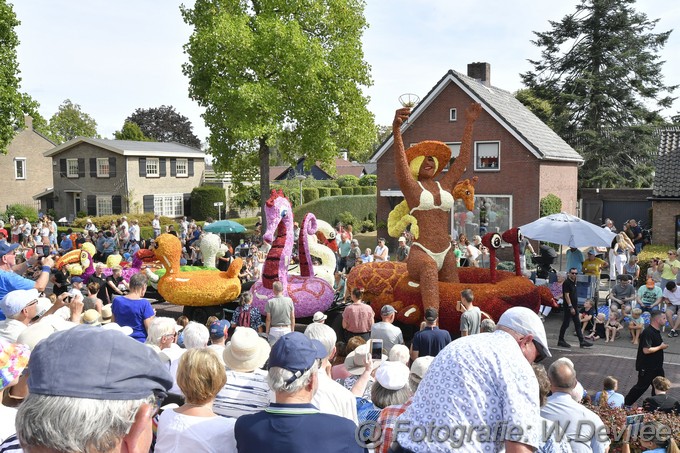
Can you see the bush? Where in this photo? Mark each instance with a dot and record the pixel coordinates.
(550, 204)
(346, 218)
(356, 190)
(324, 192)
(368, 190)
(309, 194)
(367, 226)
(20, 211)
(81, 214)
(348, 181)
(371, 216)
(368, 180)
(203, 199)
(347, 190)
(645, 258)
(335, 191)
(327, 209)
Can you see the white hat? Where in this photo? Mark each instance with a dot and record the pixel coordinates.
(392, 375)
(354, 362)
(90, 317)
(246, 351)
(318, 317)
(420, 366)
(526, 322)
(125, 330)
(49, 324)
(17, 300)
(401, 239)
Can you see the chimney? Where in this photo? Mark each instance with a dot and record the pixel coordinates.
(481, 72)
(28, 122)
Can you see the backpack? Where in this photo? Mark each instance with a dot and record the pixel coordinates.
(244, 318)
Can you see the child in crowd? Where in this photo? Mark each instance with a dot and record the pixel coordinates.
(587, 316)
(599, 328)
(613, 324)
(636, 325)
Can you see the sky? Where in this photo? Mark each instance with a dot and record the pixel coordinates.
(112, 57)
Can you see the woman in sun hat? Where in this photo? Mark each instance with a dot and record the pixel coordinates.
(13, 359)
(431, 258)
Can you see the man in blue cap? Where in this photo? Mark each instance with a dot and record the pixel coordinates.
(293, 423)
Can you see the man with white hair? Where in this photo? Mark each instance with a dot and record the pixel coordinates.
(330, 397)
(493, 384)
(293, 423)
(115, 377)
(21, 307)
(582, 426)
(196, 335)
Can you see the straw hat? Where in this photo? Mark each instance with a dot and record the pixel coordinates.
(438, 150)
(90, 317)
(246, 351)
(354, 362)
(107, 315)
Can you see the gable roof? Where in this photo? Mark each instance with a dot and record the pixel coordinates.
(530, 131)
(131, 148)
(667, 173)
(345, 167)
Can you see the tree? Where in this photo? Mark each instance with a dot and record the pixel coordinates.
(70, 122)
(131, 131)
(11, 113)
(284, 73)
(164, 124)
(30, 106)
(599, 69)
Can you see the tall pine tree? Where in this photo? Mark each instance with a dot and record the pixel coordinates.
(601, 73)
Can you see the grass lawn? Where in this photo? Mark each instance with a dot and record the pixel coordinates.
(367, 240)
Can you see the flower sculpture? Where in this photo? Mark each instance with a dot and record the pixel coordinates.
(79, 262)
(322, 247)
(309, 293)
(197, 288)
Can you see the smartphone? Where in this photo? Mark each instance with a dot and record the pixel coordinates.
(39, 251)
(376, 349)
(634, 419)
(459, 306)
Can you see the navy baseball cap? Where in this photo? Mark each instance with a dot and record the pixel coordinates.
(76, 279)
(218, 328)
(91, 362)
(5, 248)
(296, 353)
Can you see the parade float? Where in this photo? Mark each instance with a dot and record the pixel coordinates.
(430, 277)
(309, 292)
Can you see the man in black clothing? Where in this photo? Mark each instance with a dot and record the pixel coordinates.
(570, 311)
(649, 361)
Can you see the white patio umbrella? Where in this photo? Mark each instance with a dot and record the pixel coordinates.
(567, 230)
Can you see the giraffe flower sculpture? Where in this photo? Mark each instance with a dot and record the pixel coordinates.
(309, 293)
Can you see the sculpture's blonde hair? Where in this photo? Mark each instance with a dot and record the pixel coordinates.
(415, 164)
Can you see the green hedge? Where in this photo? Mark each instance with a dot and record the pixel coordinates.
(20, 211)
(369, 190)
(324, 192)
(348, 181)
(335, 191)
(328, 209)
(309, 194)
(368, 180)
(347, 190)
(202, 199)
(357, 190)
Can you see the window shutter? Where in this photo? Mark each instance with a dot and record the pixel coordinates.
(187, 203)
(117, 204)
(161, 164)
(148, 203)
(112, 167)
(81, 167)
(142, 167)
(173, 167)
(62, 168)
(91, 205)
(191, 167)
(93, 168)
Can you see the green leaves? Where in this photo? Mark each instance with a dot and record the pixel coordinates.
(70, 122)
(11, 113)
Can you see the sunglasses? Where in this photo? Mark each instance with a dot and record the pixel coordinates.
(573, 273)
(539, 350)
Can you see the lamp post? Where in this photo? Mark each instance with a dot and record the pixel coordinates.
(300, 178)
(218, 205)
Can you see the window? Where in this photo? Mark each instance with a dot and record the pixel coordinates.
(19, 168)
(492, 213)
(104, 205)
(182, 168)
(170, 205)
(487, 156)
(102, 167)
(453, 115)
(71, 168)
(152, 168)
(455, 152)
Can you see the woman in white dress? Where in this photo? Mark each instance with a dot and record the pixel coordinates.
(194, 426)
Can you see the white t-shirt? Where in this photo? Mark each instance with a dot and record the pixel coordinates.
(333, 398)
(380, 251)
(672, 296)
(7, 415)
(11, 328)
(181, 433)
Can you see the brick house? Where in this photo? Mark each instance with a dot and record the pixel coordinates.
(517, 157)
(666, 191)
(24, 170)
(102, 177)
